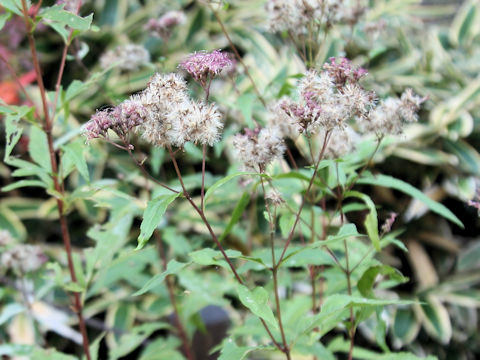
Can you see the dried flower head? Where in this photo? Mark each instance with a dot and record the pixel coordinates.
(341, 70)
(203, 65)
(258, 148)
(5, 238)
(128, 57)
(23, 258)
(274, 198)
(196, 122)
(163, 26)
(164, 95)
(341, 142)
(293, 16)
(391, 114)
(280, 120)
(329, 99)
(173, 118)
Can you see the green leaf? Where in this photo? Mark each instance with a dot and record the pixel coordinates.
(15, 6)
(371, 220)
(393, 183)
(13, 131)
(9, 311)
(152, 216)
(221, 182)
(230, 351)
(59, 19)
(257, 302)
(236, 215)
(435, 319)
(4, 18)
(134, 338)
(341, 345)
(173, 267)
(367, 281)
(208, 257)
(74, 287)
(405, 326)
(50, 354)
(38, 148)
(74, 154)
(23, 183)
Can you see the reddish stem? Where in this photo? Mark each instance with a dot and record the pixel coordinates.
(78, 308)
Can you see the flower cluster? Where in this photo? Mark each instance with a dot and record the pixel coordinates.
(293, 16)
(120, 119)
(259, 147)
(329, 99)
(128, 57)
(163, 26)
(203, 65)
(341, 70)
(298, 16)
(23, 258)
(392, 113)
(173, 118)
(280, 120)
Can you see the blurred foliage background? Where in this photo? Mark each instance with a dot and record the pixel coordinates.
(432, 47)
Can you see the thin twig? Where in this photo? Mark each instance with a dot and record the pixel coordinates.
(302, 204)
(215, 239)
(237, 55)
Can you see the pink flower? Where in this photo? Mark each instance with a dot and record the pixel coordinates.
(203, 65)
(342, 71)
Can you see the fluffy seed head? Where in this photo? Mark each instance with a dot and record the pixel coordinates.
(23, 258)
(342, 71)
(391, 114)
(128, 57)
(258, 148)
(163, 26)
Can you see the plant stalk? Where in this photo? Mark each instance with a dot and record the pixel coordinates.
(77, 306)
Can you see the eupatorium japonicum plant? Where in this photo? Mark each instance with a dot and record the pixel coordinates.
(264, 214)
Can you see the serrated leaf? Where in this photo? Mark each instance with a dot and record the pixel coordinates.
(152, 215)
(38, 148)
(257, 302)
(74, 153)
(59, 19)
(173, 267)
(393, 183)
